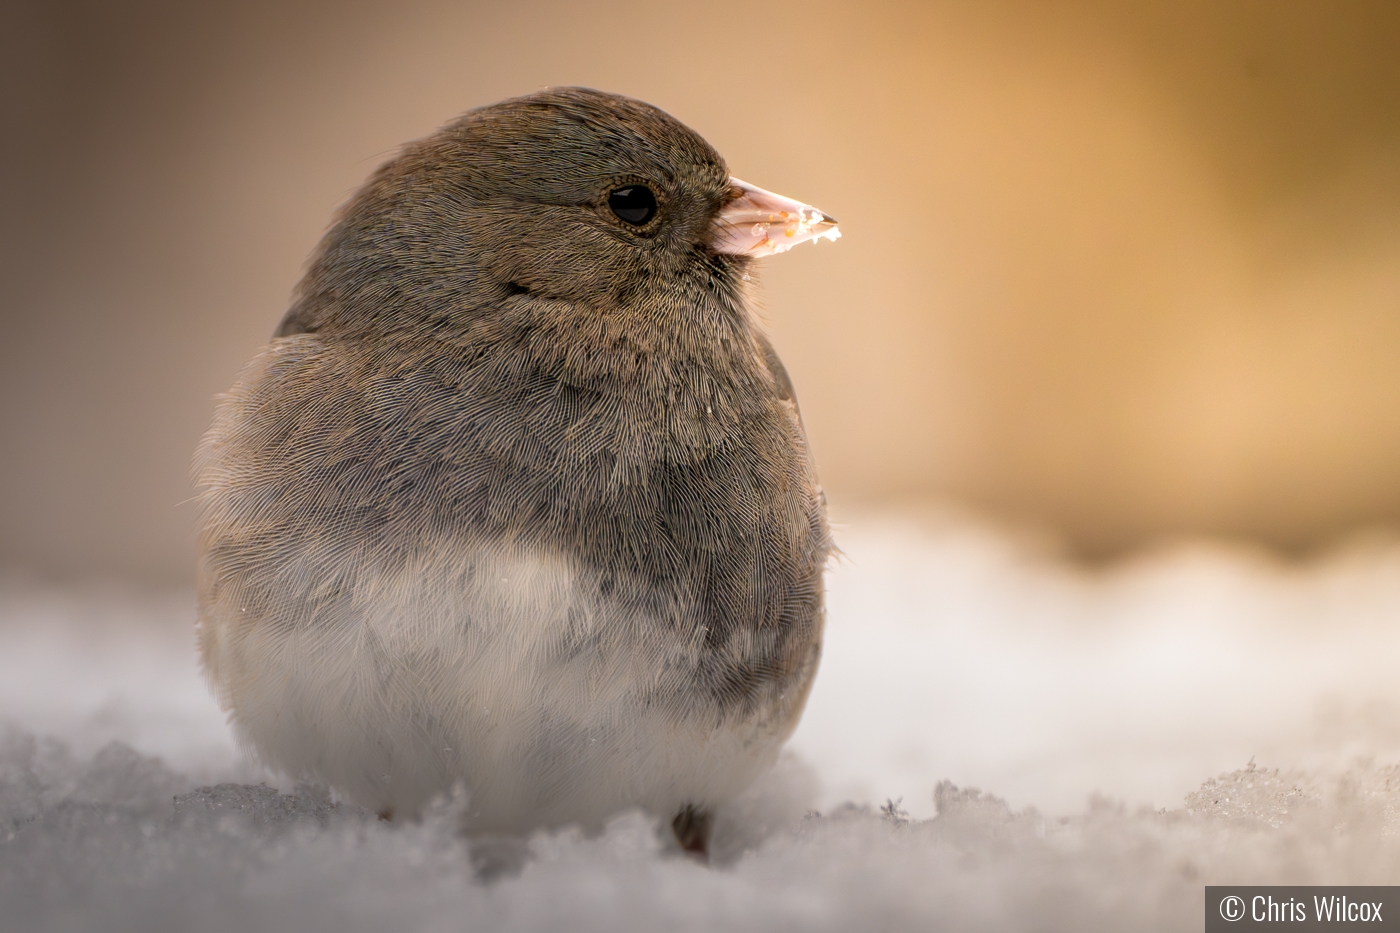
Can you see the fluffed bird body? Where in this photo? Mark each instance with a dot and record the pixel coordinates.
(519, 495)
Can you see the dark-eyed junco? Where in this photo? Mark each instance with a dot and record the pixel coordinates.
(518, 496)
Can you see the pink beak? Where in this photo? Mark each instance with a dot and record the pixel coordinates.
(761, 223)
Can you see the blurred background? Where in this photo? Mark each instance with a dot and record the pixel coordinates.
(1119, 271)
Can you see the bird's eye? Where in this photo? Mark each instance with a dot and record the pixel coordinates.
(635, 204)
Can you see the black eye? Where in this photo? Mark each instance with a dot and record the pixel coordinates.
(634, 204)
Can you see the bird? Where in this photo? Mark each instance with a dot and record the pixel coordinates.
(518, 498)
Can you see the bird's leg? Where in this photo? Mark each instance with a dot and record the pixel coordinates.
(692, 828)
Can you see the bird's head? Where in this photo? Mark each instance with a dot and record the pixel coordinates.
(569, 208)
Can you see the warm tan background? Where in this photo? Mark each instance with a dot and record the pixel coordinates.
(1122, 269)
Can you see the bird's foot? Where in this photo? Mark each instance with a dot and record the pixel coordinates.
(692, 828)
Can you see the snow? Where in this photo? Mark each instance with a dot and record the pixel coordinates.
(1200, 714)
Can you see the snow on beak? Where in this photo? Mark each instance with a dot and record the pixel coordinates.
(761, 223)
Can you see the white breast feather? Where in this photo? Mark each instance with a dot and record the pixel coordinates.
(503, 671)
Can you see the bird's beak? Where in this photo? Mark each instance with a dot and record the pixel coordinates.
(761, 223)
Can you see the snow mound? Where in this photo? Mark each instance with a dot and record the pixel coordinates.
(1089, 705)
(121, 842)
